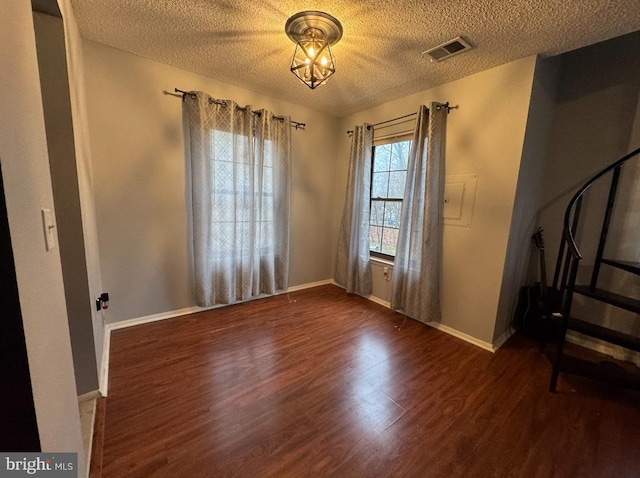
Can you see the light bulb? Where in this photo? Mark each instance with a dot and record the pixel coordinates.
(323, 61)
(312, 52)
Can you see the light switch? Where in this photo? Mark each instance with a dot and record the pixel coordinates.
(49, 229)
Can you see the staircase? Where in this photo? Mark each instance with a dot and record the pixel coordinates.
(564, 281)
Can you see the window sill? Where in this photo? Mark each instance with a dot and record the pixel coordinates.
(379, 260)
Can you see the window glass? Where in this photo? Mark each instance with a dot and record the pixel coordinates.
(237, 205)
(388, 178)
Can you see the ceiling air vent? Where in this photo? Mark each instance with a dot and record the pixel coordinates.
(447, 49)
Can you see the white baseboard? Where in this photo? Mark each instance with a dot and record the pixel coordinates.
(309, 285)
(454, 332)
(92, 395)
(461, 335)
(123, 324)
(503, 338)
(104, 366)
(372, 298)
(379, 301)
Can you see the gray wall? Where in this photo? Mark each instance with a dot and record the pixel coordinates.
(485, 136)
(594, 115)
(596, 122)
(523, 218)
(140, 184)
(57, 114)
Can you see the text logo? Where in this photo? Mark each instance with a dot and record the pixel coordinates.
(51, 465)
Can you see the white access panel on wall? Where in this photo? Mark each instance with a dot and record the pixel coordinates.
(459, 198)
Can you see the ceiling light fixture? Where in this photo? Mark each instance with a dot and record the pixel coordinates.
(313, 33)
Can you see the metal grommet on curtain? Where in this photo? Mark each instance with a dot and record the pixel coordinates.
(211, 100)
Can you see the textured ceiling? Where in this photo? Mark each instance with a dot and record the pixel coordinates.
(379, 57)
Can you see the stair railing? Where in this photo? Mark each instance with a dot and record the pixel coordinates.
(568, 244)
(569, 256)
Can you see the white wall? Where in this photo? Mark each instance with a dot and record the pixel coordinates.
(139, 181)
(25, 168)
(485, 136)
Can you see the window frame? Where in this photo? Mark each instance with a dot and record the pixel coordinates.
(380, 142)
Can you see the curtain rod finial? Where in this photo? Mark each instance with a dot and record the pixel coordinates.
(446, 106)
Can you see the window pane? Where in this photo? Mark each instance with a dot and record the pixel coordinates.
(399, 155)
(267, 180)
(243, 209)
(223, 207)
(269, 153)
(241, 149)
(389, 176)
(239, 183)
(377, 213)
(381, 157)
(221, 146)
(375, 238)
(223, 240)
(380, 185)
(223, 176)
(392, 211)
(396, 184)
(389, 241)
(264, 239)
(265, 208)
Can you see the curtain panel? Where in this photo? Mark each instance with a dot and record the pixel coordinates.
(240, 186)
(415, 289)
(353, 268)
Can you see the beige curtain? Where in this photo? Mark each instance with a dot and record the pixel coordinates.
(240, 181)
(416, 272)
(353, 269)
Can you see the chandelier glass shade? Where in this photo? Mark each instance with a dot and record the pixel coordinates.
(313, 33)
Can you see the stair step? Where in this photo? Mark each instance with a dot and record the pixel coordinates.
(609, 297)
(607, 372)
(633, 267)
(603, 333)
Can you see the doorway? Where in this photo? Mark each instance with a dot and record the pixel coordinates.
(18, 427)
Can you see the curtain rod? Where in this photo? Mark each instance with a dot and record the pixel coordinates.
(439, 106)
(393, 135)
(183, 93)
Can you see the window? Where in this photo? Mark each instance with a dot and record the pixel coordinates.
(389, 174)
(242, 193)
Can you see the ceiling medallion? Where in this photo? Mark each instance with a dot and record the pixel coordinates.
(313, 33)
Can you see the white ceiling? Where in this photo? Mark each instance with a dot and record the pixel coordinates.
(379, 57)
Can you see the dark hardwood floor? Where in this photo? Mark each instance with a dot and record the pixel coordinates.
(320, 383)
